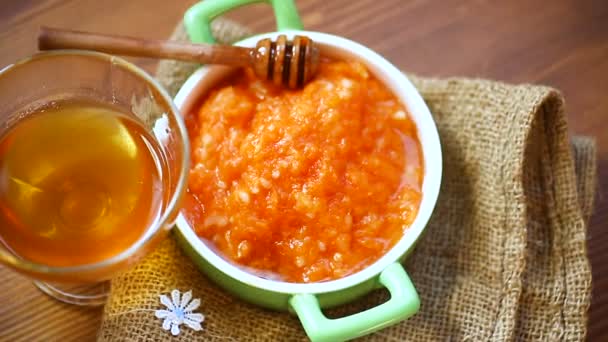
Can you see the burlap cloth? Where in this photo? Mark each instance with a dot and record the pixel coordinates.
(504, 255)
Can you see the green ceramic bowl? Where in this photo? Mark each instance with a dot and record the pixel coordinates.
(307, 300)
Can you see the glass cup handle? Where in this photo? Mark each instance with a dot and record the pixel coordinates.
(197, 18)
(404, 302)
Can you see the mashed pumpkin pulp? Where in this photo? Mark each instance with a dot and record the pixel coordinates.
(308, 185)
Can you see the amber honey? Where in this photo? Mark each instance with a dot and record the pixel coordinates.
(79, 183)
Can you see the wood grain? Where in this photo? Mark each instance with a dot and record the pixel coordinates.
(561, 43)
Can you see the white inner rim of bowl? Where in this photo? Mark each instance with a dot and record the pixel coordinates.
(403, 89)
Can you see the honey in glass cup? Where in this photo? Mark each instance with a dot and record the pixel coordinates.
(79, 182)
(93, 160)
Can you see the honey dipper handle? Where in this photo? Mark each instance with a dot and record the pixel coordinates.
(51, 39)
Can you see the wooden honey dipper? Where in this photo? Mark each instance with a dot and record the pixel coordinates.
(287, 63)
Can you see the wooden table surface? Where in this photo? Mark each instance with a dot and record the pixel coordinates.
(561, 43)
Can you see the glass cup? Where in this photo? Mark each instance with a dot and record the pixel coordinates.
(48, 77)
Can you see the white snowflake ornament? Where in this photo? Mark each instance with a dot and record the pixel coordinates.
(180, 312)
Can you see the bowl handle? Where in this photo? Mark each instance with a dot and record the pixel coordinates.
(197, 18)
(404, 302)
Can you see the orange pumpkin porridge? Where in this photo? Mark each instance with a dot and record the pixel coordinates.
(309, 185)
